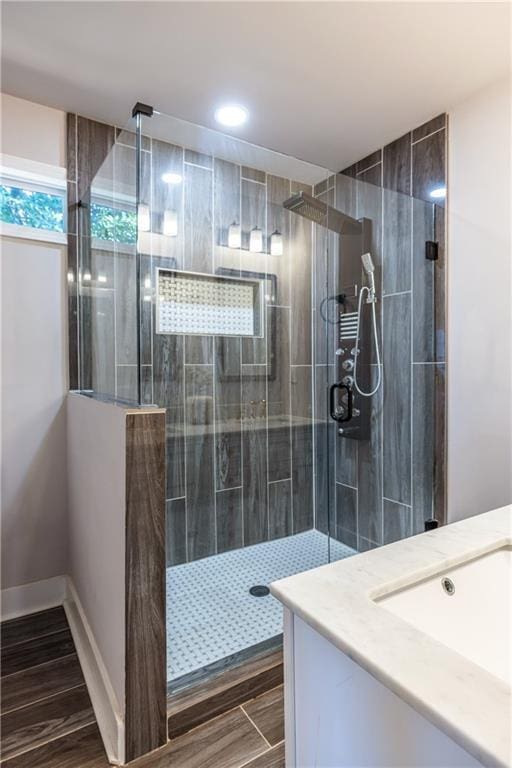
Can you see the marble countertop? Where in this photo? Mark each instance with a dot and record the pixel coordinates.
(462, 699)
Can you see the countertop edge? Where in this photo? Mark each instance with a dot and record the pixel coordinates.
(464, 737)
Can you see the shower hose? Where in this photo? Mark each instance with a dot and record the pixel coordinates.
(374, 325)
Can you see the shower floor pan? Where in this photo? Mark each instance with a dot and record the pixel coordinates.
(212, 617)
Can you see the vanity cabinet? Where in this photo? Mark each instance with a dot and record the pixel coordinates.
(337, 714)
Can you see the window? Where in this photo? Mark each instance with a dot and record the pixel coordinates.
(33, 205)
(32, 199)
(30, 207)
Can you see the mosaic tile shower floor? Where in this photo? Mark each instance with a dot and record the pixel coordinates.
(210, 613)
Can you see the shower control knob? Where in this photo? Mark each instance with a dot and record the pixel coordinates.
(348, 365)
(340, 351)
(354, 351)
(347, 381)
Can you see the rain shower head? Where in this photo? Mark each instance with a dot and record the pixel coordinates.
(307, 206)
(320, 213)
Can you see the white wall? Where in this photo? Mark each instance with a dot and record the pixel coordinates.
(479, 304)
(97, 502)
(34, 382)
(32, 131)
(34, 372)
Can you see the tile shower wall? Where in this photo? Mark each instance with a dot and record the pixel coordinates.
(388, 485)
(239, 450)
(239, 410)
(246, 460)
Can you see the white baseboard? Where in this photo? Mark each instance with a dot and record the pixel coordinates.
(106, 707)
(33, 597)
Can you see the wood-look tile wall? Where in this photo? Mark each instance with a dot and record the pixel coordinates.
(240, 466)
(239, 411)
(388, 485)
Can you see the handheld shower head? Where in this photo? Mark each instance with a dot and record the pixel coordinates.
(367, 263)
(369, 269)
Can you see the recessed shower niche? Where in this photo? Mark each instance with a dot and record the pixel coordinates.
(203, 304)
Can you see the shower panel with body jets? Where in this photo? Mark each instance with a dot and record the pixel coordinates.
(355, 337)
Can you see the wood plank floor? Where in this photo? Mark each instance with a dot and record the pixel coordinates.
(226, 690)
(47, 719)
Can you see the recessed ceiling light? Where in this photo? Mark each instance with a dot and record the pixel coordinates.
(172, 178)
(438, 193)
(231, 115)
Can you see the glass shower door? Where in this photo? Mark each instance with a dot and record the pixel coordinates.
(386, 464)
(340, 241)
(236, 358)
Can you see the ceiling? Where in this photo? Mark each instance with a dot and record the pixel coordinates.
(327, 82)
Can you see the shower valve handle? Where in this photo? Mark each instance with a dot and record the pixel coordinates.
(347, 412)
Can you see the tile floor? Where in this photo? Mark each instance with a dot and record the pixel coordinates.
(47, 720)
(210, 613)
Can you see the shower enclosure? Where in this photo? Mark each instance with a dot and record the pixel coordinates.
(222, 280)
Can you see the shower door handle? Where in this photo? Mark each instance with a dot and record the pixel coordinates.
(332, 402)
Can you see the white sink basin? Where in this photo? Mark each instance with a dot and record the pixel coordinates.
(467, 608)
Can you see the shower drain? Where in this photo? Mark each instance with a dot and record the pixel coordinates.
(259, 590)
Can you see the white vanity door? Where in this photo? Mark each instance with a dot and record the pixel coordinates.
(342, 716)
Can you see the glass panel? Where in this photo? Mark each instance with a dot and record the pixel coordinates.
(107, 234)
(386, 466)
(244, 420)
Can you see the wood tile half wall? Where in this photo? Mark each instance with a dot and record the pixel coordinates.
(387, 486)
(146, 654)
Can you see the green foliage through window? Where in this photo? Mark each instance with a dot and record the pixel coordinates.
(113, 224)
(45, 210)
(28, 208)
